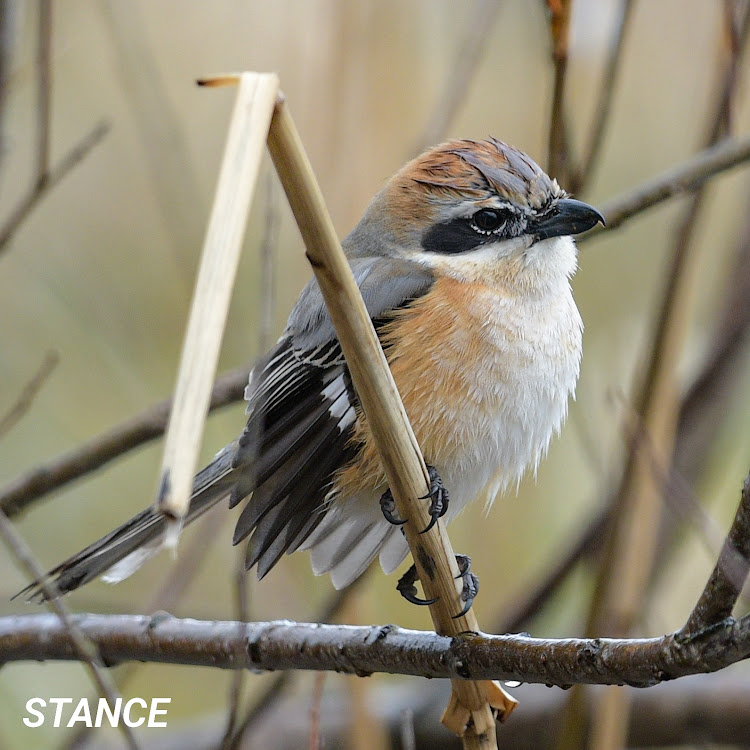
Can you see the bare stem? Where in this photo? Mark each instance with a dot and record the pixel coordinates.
(81, 646)
(44, 90)
(100, 450)
(54, 176)
(558, 159)
(31, 389)
(580, 179)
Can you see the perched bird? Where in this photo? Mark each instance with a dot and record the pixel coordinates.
(464, 261)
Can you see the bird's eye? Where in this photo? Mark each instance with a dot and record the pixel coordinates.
(487, 220)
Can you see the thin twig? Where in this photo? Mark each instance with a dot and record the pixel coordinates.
(44, 91)
(28, 394)
(729, 575)
(735, 33)
(558, 155)
(54, 176)
(313, 741)
(81, 646)
(685, 177)
(100, 450)
(580, 178)
(6, 43)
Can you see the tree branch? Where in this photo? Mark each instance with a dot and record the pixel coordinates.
(103, 448)
(363, 650)
(685, 177)
(729, 575)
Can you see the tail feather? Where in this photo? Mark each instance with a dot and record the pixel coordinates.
(124, 550)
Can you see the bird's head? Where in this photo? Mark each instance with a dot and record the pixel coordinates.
(471, 209)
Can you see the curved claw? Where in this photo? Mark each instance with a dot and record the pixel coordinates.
(395, 520)
(433, 521)
(408, 590)
(414, 599)
(435, 487)
(388, 507)
(466, 608)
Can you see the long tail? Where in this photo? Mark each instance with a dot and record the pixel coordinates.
(121, 552)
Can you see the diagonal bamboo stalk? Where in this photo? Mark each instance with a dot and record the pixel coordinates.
(470, 712)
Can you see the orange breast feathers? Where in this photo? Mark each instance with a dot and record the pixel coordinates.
(441, 353)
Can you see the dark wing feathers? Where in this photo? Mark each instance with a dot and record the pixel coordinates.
(301, 415)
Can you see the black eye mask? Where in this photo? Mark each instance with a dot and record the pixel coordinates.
(462, 235)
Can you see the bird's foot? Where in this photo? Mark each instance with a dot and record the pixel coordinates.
(408, 590)
(469, 590)
(470, 586)
(388, 507)
(439, 498)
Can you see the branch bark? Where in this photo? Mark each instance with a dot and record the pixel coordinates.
(364, 650)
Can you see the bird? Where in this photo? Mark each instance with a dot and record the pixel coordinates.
(464, 261)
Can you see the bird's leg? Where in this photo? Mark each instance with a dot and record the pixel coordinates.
(388, 506)
(439, 498)
(408, 590)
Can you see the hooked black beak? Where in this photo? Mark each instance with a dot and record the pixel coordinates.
(567, 216)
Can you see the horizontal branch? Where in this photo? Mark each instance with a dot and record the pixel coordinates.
(685, 177)
(100, 450)
(640, 662)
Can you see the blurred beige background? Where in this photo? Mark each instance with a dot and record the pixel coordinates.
(102, 271)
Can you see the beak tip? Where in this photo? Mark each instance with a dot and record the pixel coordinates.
(570, 217)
